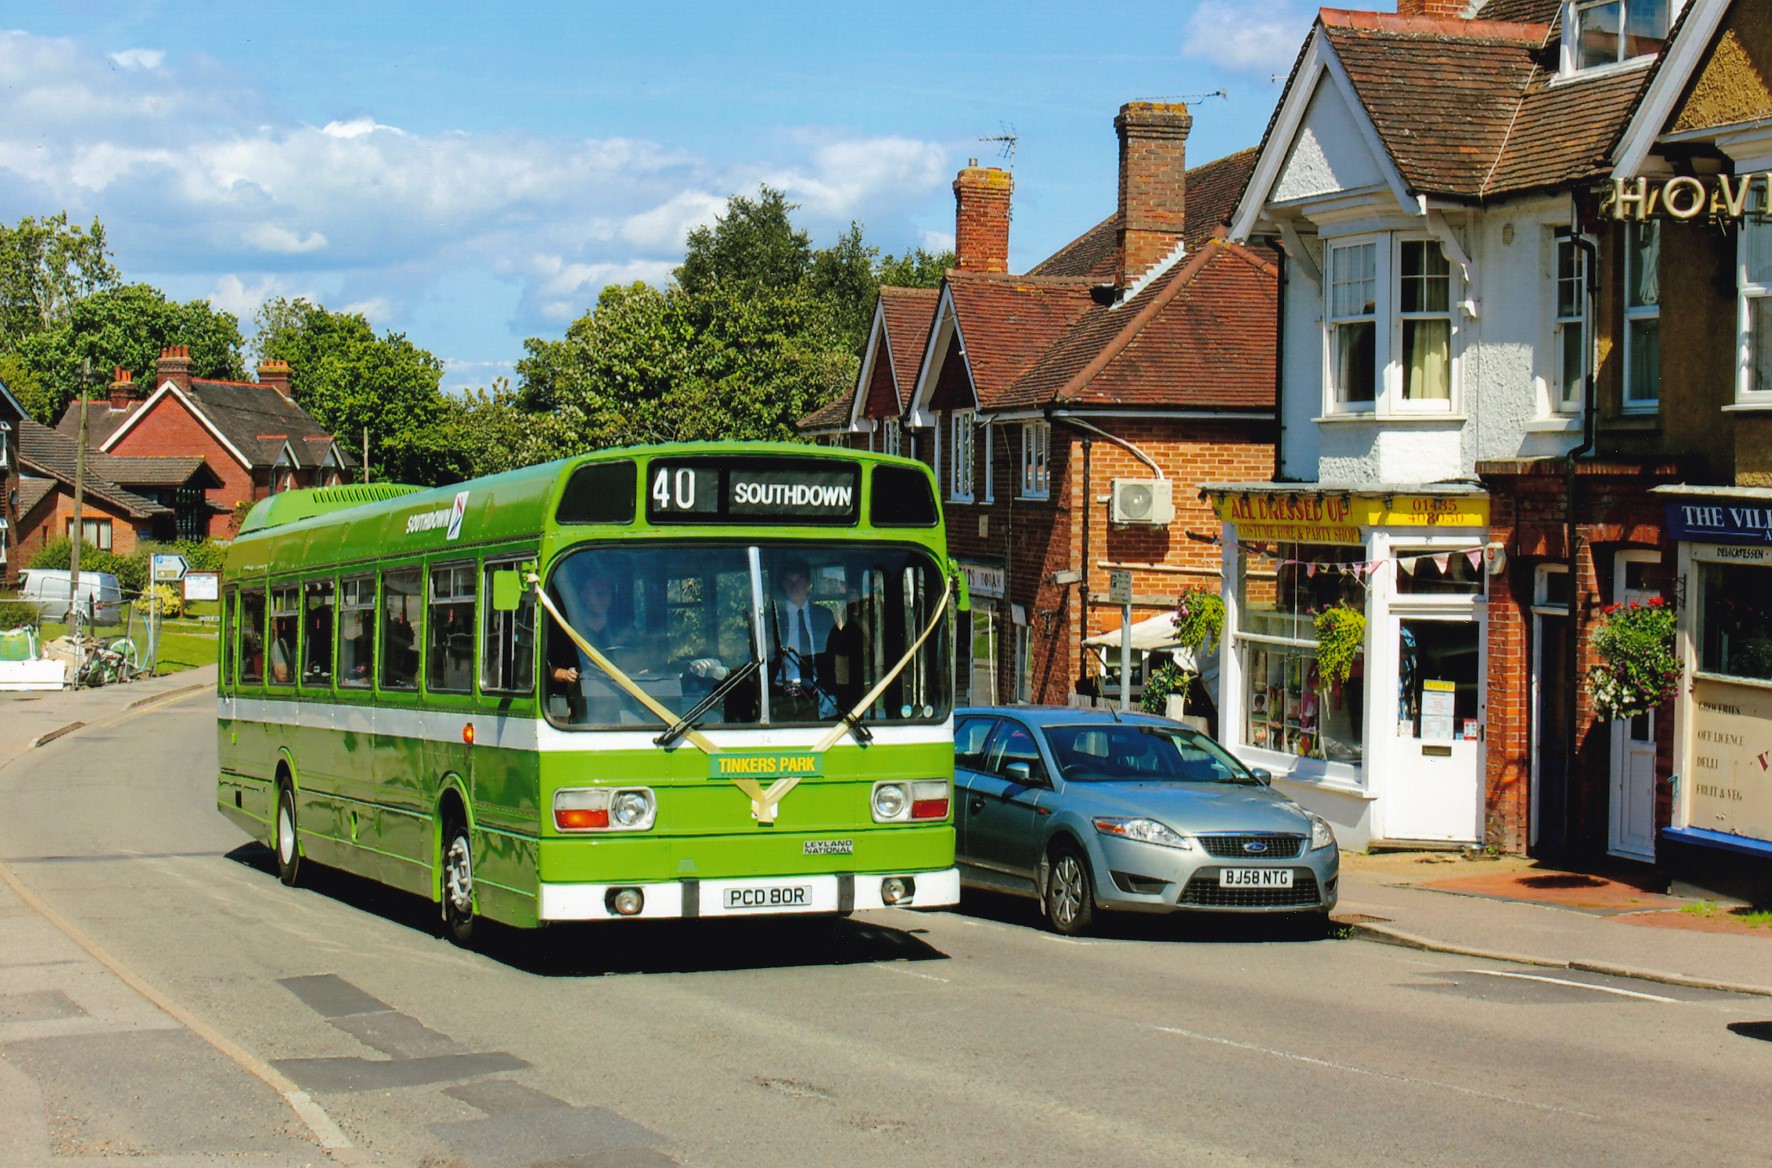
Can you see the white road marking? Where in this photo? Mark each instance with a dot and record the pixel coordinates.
(1580, 985)
(1395, 1078)
(895, 967)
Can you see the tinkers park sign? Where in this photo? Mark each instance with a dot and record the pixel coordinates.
(1721, 196)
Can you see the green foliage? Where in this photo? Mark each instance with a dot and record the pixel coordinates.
(353, 381)
(1341, 636)
(1199, 617)
(16, 614)
(164, 597)
(752, 248)
(132, 571)
(125, 326)
(1168, 678)
(45, 266)
(915, 269)
(1639, 670)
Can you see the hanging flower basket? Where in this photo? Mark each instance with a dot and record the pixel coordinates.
(1341, 637)
(1199, 617)
(1639, 670)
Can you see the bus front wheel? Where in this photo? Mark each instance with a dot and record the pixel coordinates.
(458, 885)
(288, 846)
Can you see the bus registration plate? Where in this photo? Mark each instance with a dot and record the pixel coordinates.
(784, 897)
(1255, 878)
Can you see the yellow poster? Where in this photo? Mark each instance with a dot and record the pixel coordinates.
(1307, 517)
(1730, 786)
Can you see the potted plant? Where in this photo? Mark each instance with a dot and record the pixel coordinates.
(1199, 620)
(1341, 636)
(1638, 669)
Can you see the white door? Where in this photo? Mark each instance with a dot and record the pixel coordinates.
(1631, 815)
(1434, 790)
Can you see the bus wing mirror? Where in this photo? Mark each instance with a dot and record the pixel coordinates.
(507, 590)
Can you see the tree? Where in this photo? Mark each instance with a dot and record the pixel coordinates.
(125, 327)
(916, 269)
(752, 247)
(353, 382)
(842, 275)
(45, 266)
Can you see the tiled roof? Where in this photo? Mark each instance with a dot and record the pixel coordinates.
(1212, 192)
(52, 454)
(1200, 337)
(908, 313)
(254, 418)
(1522, 11)
(1466, 109)
(1007, 322)
(169, 471)
(31, 490)
(833, 415)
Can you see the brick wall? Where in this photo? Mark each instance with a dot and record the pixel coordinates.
(981, 219)
(1528, 518)
(171, 429)
(1153, 182)
(50, 518)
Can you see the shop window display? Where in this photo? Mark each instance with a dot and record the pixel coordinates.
(1291, 707)
(1735, 621)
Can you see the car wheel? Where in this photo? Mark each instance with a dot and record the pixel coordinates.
(458, 885)
(288, 845)
(1070, 896)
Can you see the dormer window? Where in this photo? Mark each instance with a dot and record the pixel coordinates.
(1607, 32)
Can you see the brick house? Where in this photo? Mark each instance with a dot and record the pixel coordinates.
(252, 435)
(12, 412)
(1483, 388)
(1071, 413)
(125, 500)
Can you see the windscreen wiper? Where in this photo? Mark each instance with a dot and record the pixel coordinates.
(692, 719)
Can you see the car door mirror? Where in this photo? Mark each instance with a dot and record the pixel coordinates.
(1263, 776)
(1020, 772)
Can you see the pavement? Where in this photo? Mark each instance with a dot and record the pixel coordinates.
(1508, 908)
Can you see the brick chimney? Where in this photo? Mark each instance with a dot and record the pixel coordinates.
(1439, 9)
(123, 389)
(981, 218)
(1153, 182)
(276, 375)
(174, 366)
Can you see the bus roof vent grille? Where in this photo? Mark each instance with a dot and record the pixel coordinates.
(292, 506)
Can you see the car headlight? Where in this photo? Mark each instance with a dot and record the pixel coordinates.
(1147, 831)
(1322, 835)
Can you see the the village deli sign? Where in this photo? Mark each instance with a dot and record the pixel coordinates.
(1722, 196)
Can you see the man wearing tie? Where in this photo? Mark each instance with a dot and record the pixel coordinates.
(802, 630)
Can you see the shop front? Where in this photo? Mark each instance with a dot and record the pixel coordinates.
(984, 629)
(1721, 833)
(1355, 652)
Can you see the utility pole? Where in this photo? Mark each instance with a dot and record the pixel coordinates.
(79, 530)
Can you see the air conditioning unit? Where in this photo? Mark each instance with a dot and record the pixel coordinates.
(1149, 501)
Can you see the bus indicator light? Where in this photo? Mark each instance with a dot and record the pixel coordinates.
(580, 818)
(929, 808)
(467, 734)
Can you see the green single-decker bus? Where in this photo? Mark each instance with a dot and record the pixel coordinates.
(689, 680)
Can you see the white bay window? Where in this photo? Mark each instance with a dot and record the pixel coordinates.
(1642, 317)
(962, 453)
(1390, 326)
(1754, 283)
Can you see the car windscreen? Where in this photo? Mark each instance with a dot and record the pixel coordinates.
(1120, 752)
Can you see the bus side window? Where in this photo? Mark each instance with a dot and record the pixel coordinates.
(252, 636)
(285, 624)
(356, 628)
(402, 605)
(507, 651)
(225, 642)
(449, 657)
(316, 640)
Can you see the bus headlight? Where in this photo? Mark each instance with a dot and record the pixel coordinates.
(633, 810)
(603, 809)
(921, 800)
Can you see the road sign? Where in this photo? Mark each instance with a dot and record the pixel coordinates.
(1120, 586)
(168, 567)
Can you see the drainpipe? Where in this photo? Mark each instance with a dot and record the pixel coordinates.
(1280, 368)
(1088, 518)
(1585, 447)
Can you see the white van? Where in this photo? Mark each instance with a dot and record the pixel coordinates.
(48, 590)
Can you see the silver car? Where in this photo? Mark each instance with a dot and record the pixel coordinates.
(1088, 810)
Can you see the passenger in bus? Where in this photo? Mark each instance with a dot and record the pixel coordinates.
(282, 649)
(800, 635)
(594, 618)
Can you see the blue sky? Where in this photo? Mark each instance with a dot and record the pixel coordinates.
(472, 175)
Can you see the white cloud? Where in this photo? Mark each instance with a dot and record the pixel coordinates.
(139, 58)
(667, 225)
(1261, 36)
(938, 241)
(357, 128)
(232, 294)
(267, 237)
(377, 310)
(846, 177)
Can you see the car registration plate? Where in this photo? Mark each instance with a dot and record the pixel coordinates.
(1255, 878)
(773, 896)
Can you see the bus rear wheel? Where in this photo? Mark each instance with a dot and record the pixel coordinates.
(288, 846)
(458, 885)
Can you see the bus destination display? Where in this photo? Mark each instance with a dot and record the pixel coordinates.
(786, 491)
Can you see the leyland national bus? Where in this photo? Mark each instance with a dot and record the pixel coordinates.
(675, 681)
